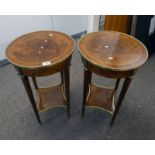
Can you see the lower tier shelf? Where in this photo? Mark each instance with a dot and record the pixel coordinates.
(51, 97)
(101, 98)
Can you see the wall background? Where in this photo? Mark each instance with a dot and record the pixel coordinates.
(71, 24)
(14, 26)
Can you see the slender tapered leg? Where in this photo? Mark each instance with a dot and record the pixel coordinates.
(28, 89)
(67, 87)
(62, 77)
(116, 87)
(117, 84)
(125, 87)
(87, 80)
(35, 82)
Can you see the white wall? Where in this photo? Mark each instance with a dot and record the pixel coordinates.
(93, 23)
(71, 24)
(14, 26)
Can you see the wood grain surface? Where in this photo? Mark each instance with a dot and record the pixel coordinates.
(116, 23)
(113, 50)
(51, 97)
(100, 97)
(40, 49)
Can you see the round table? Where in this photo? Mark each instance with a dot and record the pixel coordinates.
(113, 55)
(39, 54)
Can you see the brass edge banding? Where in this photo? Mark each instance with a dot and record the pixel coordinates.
(54, 85)
(97, 107)
(38, 67)
(113, 101)
(96, 86)
(102, 86)
(62, 89)
(88, 93)
(101, 108)
(38, 100)
(108, 68)
(52, 106)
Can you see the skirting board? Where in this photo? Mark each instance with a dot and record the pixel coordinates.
(75, 36)
(4, 62)
(78, 35)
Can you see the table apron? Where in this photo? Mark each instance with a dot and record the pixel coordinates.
(108, 73)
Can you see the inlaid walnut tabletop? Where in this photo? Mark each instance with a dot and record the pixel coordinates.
(38, 49)
(109, 54)
(40, 54)
(113, 50)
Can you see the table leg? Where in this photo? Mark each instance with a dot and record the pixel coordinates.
(62, 77)
(125, 87)
(66, 75)
(28, 89)
(87, 80)
(35, 82)
(117, 84)
(116, 87)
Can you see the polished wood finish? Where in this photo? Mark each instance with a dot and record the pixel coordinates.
(116, 87)
(125, 87)
(118, 23)
(45, 71)
(34, 82)
(101, 97)
(41, 54)
(33, 49)
(28, 89)
(108, 73)
(51, 97)
(67, 87)
(113, 50)
(114, 55)
(87, 81)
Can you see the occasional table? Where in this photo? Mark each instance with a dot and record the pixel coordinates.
(113, 55)
(39, 54)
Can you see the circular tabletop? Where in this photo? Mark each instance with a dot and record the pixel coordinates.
(113, 50)
(40, 49)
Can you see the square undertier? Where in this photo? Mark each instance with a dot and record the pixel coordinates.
(101, 98)
(51, 97)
